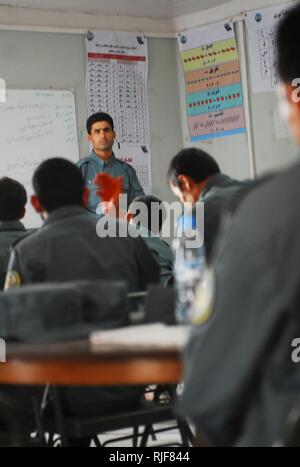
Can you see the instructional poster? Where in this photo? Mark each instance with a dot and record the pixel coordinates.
(117, 74)
(214, 95)
(261, 27)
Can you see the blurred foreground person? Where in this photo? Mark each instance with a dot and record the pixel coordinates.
(241, 376)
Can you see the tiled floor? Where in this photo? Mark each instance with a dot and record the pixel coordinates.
(171, 438)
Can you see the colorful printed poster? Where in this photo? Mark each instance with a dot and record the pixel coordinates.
(214, 95)
(261, 26)
(117, 74)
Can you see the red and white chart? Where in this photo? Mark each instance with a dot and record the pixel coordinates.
(116, 83)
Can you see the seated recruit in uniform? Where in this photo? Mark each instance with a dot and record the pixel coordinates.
(67, 248)
(194, 176)
(13, 199)
(150, 229)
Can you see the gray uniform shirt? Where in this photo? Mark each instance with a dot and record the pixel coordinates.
(221, 186)
(160, 250)
(240, 380)
(67, 248)
(92, 165)
(10, 232)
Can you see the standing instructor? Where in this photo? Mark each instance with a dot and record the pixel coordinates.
(101, 135)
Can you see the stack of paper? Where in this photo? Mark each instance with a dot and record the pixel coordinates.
(149, 335)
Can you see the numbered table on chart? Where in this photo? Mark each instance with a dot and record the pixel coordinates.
(268, 55)
(116, 84)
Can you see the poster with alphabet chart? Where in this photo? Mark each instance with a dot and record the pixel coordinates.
(214, 97)
(116, 83)
(261, 27)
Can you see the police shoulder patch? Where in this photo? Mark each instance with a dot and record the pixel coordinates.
(204, 299)
(13, 280)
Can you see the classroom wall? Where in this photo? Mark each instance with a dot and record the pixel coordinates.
(46, 60)
(164, 109)
(57, 60)
(32, 60)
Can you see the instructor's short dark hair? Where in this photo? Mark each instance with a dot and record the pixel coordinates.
(99, 117)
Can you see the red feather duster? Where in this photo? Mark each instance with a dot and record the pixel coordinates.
(109, 187)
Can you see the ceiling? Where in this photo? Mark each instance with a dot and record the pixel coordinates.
(139, 8)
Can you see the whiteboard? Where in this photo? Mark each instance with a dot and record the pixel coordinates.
(35, 125)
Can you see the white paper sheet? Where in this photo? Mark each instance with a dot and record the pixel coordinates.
(261, 26)
(281, 130)
(149, 335)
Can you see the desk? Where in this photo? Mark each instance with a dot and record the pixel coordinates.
(76, 363)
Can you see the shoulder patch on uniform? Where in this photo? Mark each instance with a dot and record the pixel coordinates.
(13, 280)
(205, 298)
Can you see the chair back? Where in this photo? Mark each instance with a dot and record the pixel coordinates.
(63, 311)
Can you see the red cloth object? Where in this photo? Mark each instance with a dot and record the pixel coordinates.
(109, 187)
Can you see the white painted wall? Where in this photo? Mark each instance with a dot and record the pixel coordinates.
(78, 23)
(231, 9)
(31, 60)
(164, 107)
(271, 153)
(75, 22)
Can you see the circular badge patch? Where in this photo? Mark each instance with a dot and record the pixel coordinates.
(13, 280)
(204, 299)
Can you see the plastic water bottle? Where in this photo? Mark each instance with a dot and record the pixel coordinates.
(189, 267)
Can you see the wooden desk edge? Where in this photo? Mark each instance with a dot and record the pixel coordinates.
(135, 370)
